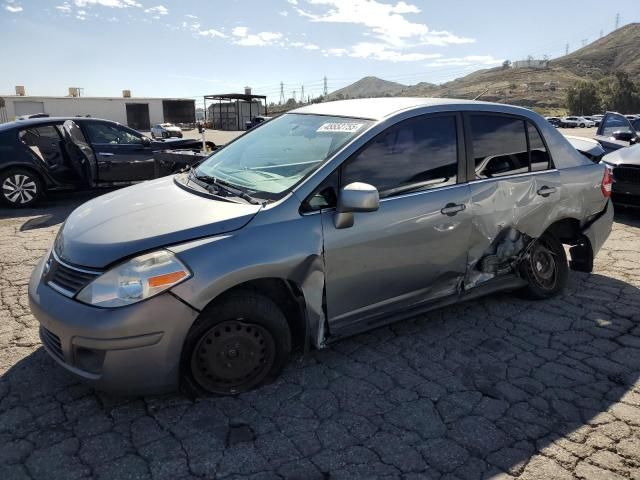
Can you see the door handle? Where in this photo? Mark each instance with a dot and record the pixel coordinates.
(546, 191)
(452, 209)
(106, 154)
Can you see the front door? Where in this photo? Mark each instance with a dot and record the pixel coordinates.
(414, 248)
(122, 154)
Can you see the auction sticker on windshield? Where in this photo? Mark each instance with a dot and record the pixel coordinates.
(346, 127)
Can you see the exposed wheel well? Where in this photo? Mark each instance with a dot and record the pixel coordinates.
(287, 296)
(568, 231)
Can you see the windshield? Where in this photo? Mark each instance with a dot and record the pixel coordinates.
(273, 158)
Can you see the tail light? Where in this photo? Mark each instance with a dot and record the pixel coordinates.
(607, 181)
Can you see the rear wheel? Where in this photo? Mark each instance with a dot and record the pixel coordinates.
(545, 268)
(237, 344)
(20, 187)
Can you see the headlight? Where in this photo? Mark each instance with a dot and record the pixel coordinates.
(135, 280)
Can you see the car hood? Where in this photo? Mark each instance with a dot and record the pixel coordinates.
(626, 155)
(144, 217)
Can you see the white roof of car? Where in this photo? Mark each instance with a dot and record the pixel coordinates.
(379, 108)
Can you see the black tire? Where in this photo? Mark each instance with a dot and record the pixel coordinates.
(20, 187)
(238, 343)
(165, 135)
(582, 125)
(545, 268)
(153, 135)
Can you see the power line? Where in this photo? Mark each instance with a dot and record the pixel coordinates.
(617, 21)
(282, 100)
(325, 91)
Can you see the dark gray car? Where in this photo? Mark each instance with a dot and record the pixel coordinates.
(329, 220)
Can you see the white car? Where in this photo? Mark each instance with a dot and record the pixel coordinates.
(578, 122)
(165, 130)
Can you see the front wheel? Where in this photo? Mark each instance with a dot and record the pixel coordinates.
(21, 188)
(544, 268)
(237, 344)
(582, 125)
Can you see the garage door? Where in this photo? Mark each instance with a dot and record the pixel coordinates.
(28, 107)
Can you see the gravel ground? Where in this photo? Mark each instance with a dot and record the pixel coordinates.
(494, 388)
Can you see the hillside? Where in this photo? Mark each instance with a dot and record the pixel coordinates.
(368, 87)
(542, 89)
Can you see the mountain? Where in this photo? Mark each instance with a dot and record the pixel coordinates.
(368, 87)
(539, 88)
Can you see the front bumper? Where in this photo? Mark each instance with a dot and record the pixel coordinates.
(129, 350)
(625, 193)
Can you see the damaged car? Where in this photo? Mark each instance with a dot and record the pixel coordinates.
(332, 219)
(617, 131)
(624, 165)
(49, 153)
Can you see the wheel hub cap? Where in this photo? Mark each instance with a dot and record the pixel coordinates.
(233, 356)
(19, 188)
(543, 266)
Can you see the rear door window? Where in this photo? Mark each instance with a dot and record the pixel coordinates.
(417, 154)
(44, 142)
(499, 145)
(540, 158)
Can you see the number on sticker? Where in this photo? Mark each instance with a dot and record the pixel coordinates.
(346, 127)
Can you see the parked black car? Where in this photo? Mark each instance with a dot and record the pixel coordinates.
(255, 121)
(43, 154)
(617, 131)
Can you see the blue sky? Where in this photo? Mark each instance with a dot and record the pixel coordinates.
(189, 48)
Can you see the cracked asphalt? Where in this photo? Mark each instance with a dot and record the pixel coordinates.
(495, 388)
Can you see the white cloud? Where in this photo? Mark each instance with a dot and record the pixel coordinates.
(12, 6)
(303, 45)
(64, 8)
(211, 33)
(381, 51)
(107, 3)
(240, 31)
(284, 13)
(470, 60)
(293, 2)
(188, 15)
(385, 21)
(158, 10)
(260, 39)
(81, 15)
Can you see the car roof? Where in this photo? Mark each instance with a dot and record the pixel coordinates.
(33, 122)
(379, 108)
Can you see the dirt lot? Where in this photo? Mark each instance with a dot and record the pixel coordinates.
(494, 388)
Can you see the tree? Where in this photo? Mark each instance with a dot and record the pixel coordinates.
(506, 64)
(619, 93)
(583, 98)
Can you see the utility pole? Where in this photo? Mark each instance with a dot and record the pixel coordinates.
(282, 100)
(325, 91)
(617, 20)
(302, 94)
(584, 41)
(566, 49)
(601, 33)
(293, 95)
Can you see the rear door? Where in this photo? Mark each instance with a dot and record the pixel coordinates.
(122, 154)
(512, 184)
(615, 132)
(82, 160)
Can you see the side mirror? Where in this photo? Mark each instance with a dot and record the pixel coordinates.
(634, 141)
(146, 142)
(355, 197)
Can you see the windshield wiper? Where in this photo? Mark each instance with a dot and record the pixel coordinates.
(222, 185)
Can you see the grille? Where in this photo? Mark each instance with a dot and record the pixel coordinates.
(66, 279)
(52, 342)
(627, 174)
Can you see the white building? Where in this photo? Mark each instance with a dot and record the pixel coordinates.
(530, 63)
(138, 113)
